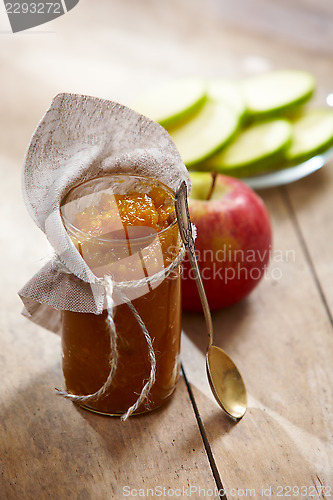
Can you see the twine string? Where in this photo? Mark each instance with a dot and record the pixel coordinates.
(148, 385)
(111, 290)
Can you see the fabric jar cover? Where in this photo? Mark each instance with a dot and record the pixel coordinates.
(79, 138)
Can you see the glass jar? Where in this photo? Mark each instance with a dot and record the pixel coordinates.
(125, 227)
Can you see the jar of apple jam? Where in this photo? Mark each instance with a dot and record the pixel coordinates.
(125, 227)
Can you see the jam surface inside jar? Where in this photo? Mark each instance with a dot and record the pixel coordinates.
(125, 226)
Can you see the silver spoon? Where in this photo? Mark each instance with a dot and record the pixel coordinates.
(224, 378)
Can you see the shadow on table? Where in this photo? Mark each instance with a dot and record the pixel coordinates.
(228, 323)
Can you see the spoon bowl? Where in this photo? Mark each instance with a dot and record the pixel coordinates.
(226, 382)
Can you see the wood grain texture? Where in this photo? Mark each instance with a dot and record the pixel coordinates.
(49, 447)
(311, 206)
(281, 336)
(53, 449)
(281, 339)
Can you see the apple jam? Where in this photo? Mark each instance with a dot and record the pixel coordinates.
(125, 226)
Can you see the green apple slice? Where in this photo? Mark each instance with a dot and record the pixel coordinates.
(224, 90)
(211, 128)
(174, 101)
(259, 147)
(312, 135)
(277, 91)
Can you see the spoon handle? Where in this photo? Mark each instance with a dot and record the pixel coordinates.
(185, 229)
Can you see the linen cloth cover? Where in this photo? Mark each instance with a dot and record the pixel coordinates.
(79, 138)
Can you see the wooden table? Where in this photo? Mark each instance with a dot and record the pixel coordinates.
(281, 336)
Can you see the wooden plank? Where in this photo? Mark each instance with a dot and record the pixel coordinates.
(298, 25)
(49, 447)
(311, 205)
(281, 339)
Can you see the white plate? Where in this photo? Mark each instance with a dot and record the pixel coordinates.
(290, 174)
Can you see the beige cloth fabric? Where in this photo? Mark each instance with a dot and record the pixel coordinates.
(79, 138)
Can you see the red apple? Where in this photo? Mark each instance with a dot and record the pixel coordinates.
(233, 241)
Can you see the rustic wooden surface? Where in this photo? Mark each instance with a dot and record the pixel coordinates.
(281, 336)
